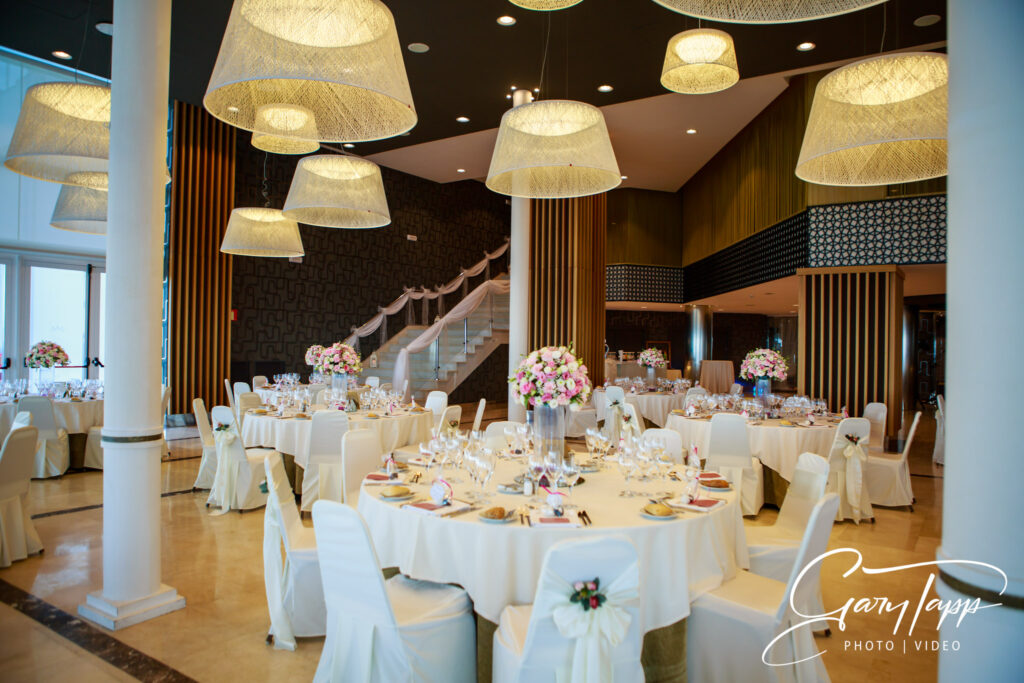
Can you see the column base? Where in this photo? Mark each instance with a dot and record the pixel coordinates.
(116, 615)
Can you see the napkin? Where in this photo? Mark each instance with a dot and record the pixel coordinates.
(377, 477)
(569, 520)
(710, 475)
(438, 510)
(417, 461)
(699, 505)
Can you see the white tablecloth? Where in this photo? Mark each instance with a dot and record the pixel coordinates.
(76, 417)
(654, 406)
(291, 436)
(774, 445)
(499, 565)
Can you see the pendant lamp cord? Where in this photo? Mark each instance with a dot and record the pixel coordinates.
(881, 48)
(266, 187)
(544, 61)
(85, 34)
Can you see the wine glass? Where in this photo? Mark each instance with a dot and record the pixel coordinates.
(535, 463)
(486, 462)
(627, 465)
(552, 468)
(570, 474)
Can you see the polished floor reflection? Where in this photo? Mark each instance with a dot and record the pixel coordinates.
(216, 563)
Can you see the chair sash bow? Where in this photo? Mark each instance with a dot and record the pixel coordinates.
(222, 494)
(855, 459)
(275, 579)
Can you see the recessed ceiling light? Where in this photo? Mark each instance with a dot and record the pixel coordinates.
(232, 108)
(506, 20)
(508, 97)
(691, 131)
(106, 28)
(536, 90)
(460, 170)
(512, 87)
(806, 46)
(605, 88)
(418, 48)
(462, 119)
(60, 54)
(927, 20)
(643, 307)
(624, 177)
(348, 145)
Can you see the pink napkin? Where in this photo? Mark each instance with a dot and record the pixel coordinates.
(705, 502)
(426, 506)
(710, 475)
(377, 477)
(554, 520)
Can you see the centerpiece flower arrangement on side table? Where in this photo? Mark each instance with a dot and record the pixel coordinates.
(44, 356)
(761, 366)
(651, 358)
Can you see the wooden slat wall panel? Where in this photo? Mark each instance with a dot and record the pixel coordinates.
(851, 338)
(567, 276)
(202, 196)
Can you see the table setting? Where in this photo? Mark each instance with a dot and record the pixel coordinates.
(77, 404)
(654, 401)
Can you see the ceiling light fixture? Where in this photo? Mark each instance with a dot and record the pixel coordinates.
(691, 131)
(460, 170)
(418, 48)
(507, 20)
(60, 54)
(462, 119)
(335, 191)
(605, 88)
(285, 129)
(259, 231)
(700, 61)
(624, 177)
(106, 28)
(553, 149)
(879, 121)
(63, 129)
(806, 46)
(80, 209)
(343, 64)
(348, 145)
(765, 11)
(545, 5)
(927, 20)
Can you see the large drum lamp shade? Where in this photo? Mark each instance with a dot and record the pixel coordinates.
(335, 191)
(545, 5)
(256, 231)
(81, 209)
(765, 11)
(338, 60)
(63, 130)
(285, 129)
(700, 61)
(552, 149)
(879, 121)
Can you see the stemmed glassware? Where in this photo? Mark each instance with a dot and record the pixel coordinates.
(627, 465)
(486, 460)
(535, 463)
(570, 474)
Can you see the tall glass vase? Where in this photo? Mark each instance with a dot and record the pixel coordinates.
(651, 376)
(339, 383)
(549, 429)
(762, 387)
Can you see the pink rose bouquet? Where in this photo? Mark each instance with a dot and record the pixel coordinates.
(764, 364)
(313, 354)
(339, 358)
(551, 376)
(46, 354)
(652, 358)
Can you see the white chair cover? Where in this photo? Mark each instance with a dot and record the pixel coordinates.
(295, 594)
(578, 419)
(729, 454)
(94, 448)
(165, 406)
(494, 435)
(450, 415)
(729, 628)
(632, 424)
(557, 640)
(360, 455)
(231, 395)
(236, 485)
(613, 394)
(322, 477)
(876, 413)
(373, 381)
(846, 463)
(939, 452)
(259, 381)
(695, 393)
(672, 439)
(208, 464)
(399, 630)
(21, 419)
(239, 389)
(52, 452)
(614, 407)
(736, 389)
(18, 536)
(478, 420)
(436, 402)
(246, 402)
(887, 477)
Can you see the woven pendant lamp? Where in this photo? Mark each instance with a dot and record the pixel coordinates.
(551, 149)
(700, 61)
(765, 11)
(335, 191)
(81, 209)
(339, 60)
(285, 129)
(545, 5)
(258, 231)
(879, 121)
(63, 130)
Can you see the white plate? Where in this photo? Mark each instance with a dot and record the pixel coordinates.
(658, 518)
(509, 490)
(395, 499)
(504, 520)
(712, 488)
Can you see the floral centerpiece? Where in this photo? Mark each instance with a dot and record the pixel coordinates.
(46, 354)
(548, 380)
(313, 354)
(762, 366)
(339, 361)
(652, 358)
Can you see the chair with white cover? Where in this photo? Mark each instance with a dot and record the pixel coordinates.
(672, 439)
(613, 394)
(231, 395)
(494, 435)
(478, 420)
(939, 452)
(94, 448)
(436, 402)
(451, 418)
(18, 537)
(373, 381)
(736, 389)
(773, 549)
(555, 639)
(21, 419)
(887, 475)
(360, 456)
(729, 628)
(614, 405)
(295, 595)
(395, 630)
(631, 415)
(165, 406)
(695, 393)
(578, 419)
(259, 381)
(847, 461)
(52, 452)
(247, 402)
(876, 413)
(729, 454)
(239, 389)
(236, 485)
(322, 476)
(208, 463)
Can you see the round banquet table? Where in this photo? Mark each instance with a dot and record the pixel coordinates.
(291, 436)
(775, 445)
(655, 406)
(75, 417)
(499, 565)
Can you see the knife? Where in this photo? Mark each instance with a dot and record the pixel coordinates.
(462, 512)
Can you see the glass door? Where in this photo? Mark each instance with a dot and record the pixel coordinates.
(8, 369)
(58, 311)
(97, 321)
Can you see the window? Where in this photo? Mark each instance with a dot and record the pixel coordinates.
(58, 312)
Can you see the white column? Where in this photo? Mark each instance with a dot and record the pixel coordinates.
(132, 431)
(519, 282)
(984, 468)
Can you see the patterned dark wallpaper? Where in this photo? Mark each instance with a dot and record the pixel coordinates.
(284, 307)
(735, 334)
(632, 330)
(631, 282)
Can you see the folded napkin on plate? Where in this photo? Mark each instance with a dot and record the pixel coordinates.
(377, 477)
(570, 519)
(699, 505)
(437, 510)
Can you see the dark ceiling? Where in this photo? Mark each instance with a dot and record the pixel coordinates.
(472, 60)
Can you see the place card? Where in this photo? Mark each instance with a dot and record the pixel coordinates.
(569, 520)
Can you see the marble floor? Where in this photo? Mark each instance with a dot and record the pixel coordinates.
(216, 563)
